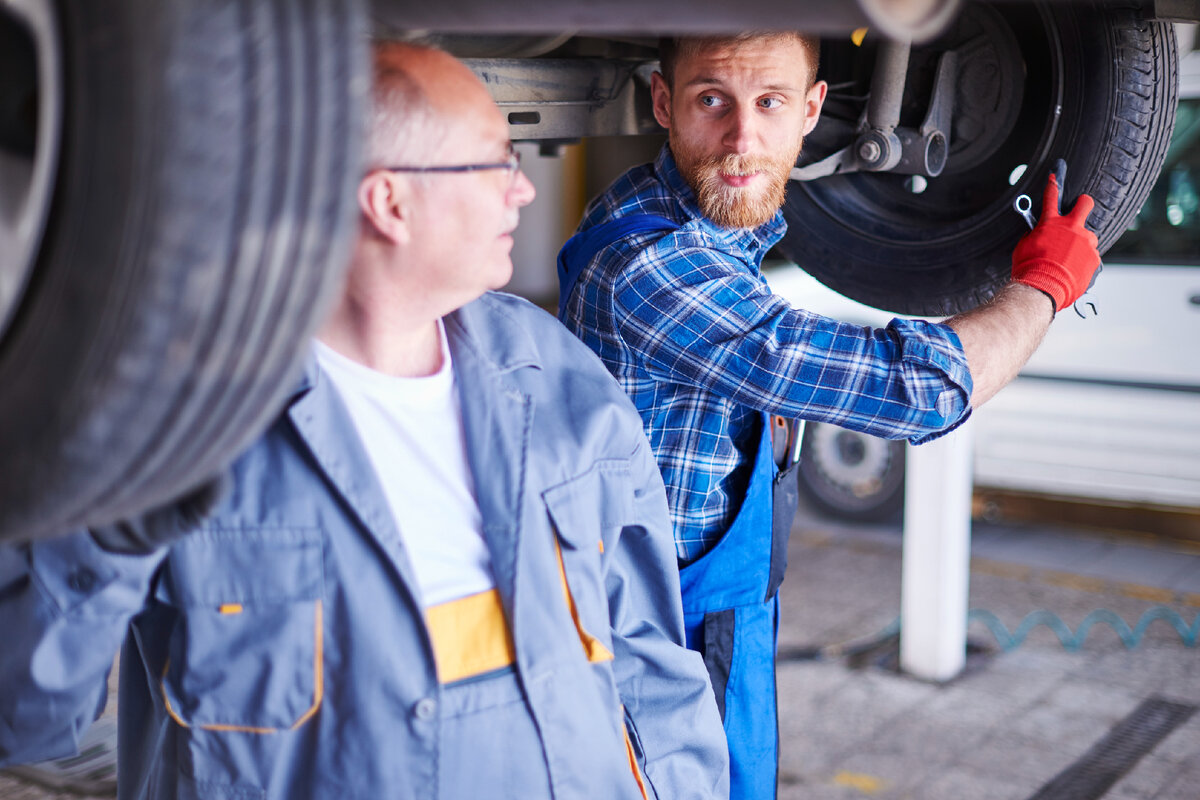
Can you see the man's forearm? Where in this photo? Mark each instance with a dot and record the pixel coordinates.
(1000, 336)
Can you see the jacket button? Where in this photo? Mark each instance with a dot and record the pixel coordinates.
(81, 580)
(425, 708)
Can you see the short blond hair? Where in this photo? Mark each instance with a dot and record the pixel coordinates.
(672, 49)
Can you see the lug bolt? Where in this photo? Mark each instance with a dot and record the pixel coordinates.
(870, 152)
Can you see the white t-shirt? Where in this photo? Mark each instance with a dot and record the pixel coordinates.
(412, 430)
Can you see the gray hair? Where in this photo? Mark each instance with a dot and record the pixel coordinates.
(403, 127)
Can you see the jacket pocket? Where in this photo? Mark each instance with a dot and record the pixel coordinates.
(588, 513)
(246, 651)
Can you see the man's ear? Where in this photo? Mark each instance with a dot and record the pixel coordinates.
(813, 102)
(385, 202)
(661, 94)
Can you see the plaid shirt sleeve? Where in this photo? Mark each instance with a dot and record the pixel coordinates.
(700, 317)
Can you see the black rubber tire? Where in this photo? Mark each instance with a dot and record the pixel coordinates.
(199, 229)
(947, 249)
(850, 475)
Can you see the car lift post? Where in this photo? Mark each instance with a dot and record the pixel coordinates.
(936, 556)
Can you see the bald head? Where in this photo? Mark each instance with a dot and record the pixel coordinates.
(419, 95)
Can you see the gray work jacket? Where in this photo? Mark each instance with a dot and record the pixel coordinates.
(280, 651)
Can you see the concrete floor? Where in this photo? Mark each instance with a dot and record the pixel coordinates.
(856, 728)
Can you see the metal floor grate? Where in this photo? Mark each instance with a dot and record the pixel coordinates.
(1118, 752)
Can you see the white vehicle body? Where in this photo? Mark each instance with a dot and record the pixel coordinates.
(1108, 409)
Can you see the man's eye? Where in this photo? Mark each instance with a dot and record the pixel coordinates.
(770, 102)
(710, 100)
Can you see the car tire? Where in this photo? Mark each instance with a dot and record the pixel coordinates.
(1093, 83)
(199, 225)
(852, 476)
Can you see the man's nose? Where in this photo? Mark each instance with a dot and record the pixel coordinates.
(741, 130)
(522, 192)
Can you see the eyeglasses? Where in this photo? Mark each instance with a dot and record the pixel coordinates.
(512, 164)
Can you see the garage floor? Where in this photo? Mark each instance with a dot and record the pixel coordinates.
(1035, 722)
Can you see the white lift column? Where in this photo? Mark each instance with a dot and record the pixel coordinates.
(936, 556)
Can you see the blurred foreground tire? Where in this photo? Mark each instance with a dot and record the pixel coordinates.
(178, 223)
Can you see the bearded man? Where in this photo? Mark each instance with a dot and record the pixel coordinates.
(662, 281)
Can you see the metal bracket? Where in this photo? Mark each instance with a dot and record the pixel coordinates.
(883, 146)
(565, 99)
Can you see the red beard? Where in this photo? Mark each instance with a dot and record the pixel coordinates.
(734, 206)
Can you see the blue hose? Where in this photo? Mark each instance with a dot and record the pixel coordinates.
(1130, 637)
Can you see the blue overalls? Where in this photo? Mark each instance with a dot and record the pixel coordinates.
(730, 594)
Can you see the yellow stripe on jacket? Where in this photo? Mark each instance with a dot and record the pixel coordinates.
(470, 636)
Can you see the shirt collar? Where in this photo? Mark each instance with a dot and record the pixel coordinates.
(487, 327)
(753, 242)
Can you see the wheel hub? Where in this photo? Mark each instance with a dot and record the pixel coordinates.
(851, 460)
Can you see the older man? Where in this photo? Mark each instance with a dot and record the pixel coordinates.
(662, 281)
(445, 572)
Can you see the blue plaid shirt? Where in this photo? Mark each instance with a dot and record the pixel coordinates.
(692, 332)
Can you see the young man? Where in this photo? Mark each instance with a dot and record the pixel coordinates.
(445, 572)
(670, 296)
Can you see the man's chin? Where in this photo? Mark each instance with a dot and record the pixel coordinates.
(740, 207)
(501, 275)
(739, 214)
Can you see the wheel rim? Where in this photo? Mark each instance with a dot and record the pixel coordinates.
(1006, 127)
(30, 131)
(854, 464)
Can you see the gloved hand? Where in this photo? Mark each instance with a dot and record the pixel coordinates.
(1059, 256)
(161, 526)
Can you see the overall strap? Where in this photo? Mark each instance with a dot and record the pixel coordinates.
(579, 250)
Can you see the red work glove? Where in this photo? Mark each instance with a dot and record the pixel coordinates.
(1059, 256)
